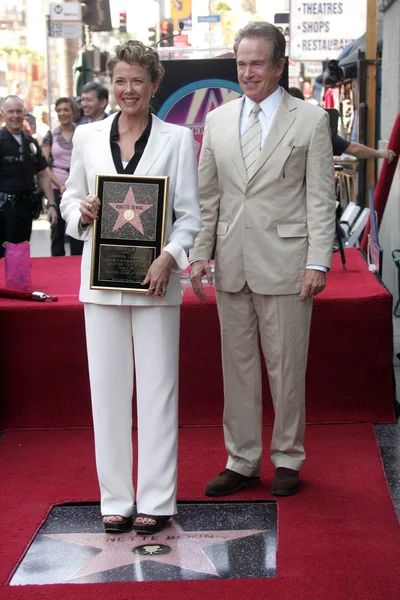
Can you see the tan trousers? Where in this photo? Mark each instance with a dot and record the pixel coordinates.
(283, 325)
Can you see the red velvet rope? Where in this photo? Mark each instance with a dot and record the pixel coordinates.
(23, 295)
(384, 181)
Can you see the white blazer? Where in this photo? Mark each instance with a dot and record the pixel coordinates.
(170, 151)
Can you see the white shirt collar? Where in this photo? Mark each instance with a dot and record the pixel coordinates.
(267, 105)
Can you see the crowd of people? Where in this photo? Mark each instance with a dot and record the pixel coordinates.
(262, 199)
(35, 159)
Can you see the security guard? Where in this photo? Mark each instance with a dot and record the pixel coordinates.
(20, 160)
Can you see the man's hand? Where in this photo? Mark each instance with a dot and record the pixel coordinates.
(389, 154)
(313, 283)
(158, 274)
(52, 216)
(197, 271)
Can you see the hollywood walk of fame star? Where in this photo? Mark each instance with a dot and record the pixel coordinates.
(117, 551)
(129, 211)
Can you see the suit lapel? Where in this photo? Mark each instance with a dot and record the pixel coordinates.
(232, 132)
(284, 118)
(159, 136)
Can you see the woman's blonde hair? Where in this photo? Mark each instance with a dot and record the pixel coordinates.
(134, 52)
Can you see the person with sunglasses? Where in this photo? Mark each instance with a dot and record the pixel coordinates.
(20, 160)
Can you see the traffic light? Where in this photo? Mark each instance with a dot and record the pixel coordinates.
(152, 35)
(166, 33)
(122, 21)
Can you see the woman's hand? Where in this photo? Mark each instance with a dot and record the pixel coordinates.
(158, 275)
(62, 188)
(89, 209)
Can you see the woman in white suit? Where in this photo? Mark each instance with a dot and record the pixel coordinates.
(135, 141)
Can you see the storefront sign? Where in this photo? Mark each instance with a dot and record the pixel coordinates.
(320, 30)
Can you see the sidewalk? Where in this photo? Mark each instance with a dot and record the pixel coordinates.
(40, 239)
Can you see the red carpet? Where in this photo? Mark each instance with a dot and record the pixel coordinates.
(43, 367)
(338, 538)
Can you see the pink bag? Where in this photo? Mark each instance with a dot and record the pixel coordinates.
(18, 266)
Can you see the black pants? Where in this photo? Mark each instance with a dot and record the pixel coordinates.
(76, 246)
(15, 223)
(58, 234)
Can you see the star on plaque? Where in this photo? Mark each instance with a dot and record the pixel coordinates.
(129, 212)
(173, 546)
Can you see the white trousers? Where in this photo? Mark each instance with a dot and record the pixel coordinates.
(111, 356)
(282, 323)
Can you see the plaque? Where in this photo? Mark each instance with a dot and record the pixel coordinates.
(129, 233)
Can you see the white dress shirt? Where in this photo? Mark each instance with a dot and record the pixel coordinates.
(266, 114)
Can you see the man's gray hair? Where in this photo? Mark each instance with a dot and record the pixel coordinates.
(262, 29)
(11, 97)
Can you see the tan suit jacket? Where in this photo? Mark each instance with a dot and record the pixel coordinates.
(267, 229)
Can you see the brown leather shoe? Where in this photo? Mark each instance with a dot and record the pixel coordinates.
(229, 482)
(286, 482)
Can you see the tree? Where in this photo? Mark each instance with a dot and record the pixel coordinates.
(249, 6)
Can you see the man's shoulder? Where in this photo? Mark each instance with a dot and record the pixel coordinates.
(5, 134)
(224, 109)
(29, 138)
(308, 109)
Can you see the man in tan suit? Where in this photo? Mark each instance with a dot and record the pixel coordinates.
(267, 201)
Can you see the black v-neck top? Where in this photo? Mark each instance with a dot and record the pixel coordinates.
(139, 147)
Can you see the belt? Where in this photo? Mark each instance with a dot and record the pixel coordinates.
(20, 197)
(66, 169)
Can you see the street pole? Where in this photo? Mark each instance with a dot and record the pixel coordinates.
(48, 69)
(371, 91)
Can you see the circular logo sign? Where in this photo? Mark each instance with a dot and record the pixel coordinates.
(191, 103)
(151, 550)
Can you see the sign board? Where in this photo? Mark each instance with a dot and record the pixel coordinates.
(209, 19)
(65, 20)
(58, 29)
(71, 11)
(181, 10)
(321, 30)
(181, 41)
(312, 69)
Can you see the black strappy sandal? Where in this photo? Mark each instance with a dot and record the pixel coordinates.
(159, 524)
(118, 526)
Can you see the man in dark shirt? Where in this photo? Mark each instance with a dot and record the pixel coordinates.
(20, 160)
(340, 145)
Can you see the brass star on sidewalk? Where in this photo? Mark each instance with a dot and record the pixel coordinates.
(118, 550)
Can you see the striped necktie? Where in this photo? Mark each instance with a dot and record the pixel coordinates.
(251, 140)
